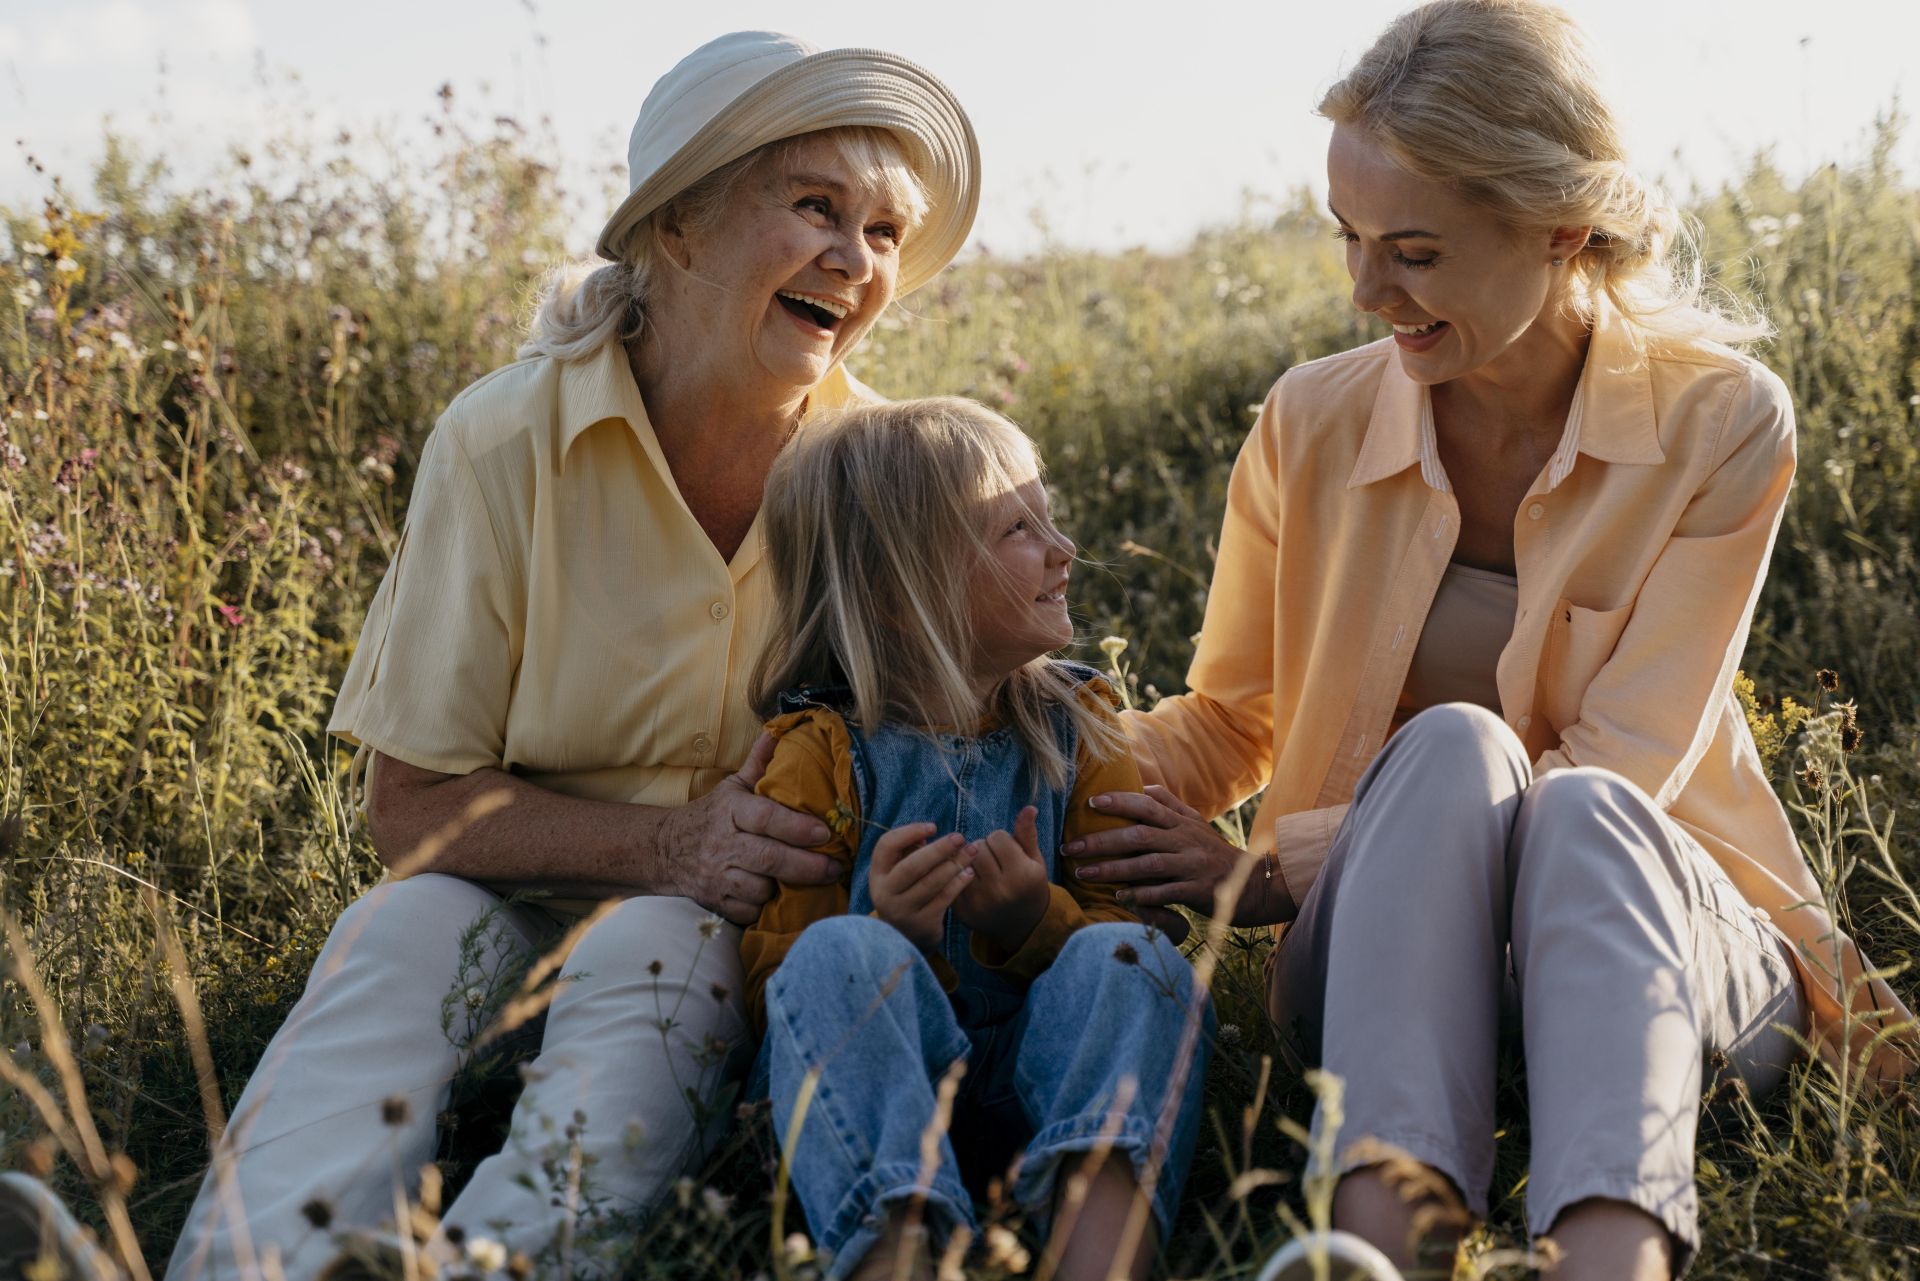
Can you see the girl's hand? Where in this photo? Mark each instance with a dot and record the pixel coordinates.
(914, 881)
(1170, 855)
(1009, 891)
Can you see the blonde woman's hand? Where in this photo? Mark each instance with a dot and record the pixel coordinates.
(914, 881)
(1008, 896)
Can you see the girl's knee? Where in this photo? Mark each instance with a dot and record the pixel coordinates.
(1131, 961)
(850, 946)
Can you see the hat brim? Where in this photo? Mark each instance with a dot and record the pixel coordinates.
(837, 88)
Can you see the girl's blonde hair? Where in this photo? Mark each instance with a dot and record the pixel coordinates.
(1498, 100)
(875, 521)
(586, 304)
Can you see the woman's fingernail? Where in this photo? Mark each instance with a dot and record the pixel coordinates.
(1076, 847)
(1098, 802)
(1086, 873)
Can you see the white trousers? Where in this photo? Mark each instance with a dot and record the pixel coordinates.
(341, 1113)
(1458, 884)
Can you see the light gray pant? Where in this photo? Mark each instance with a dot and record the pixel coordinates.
(342, 1111)
(1458, 883)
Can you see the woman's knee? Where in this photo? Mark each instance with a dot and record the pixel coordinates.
(1588, 823)
(1461, 732)
(664, 937)
(422, 922)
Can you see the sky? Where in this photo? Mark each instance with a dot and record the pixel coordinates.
(1101, 125)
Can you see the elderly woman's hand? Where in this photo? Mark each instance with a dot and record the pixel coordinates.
(1171, 855)
(729, 850)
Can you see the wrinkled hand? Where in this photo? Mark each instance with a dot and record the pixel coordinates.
(1008, 896)
(729, 850)
(1171, 855)
(914, 881)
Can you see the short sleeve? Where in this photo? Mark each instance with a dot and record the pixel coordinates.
(432, 675)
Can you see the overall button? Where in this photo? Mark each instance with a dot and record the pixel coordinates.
(719, 609)
(1534, 512)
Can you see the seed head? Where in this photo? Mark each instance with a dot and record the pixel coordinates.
(1827, 679)
(395, 1110)
(1125, 954)
(318, 1213)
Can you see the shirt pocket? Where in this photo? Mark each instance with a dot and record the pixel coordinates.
(1579, 643)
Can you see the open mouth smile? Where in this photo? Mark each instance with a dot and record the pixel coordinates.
(821, 313)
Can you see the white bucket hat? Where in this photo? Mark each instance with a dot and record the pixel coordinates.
(750, 88)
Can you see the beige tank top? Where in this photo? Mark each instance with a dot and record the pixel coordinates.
(1459, 649)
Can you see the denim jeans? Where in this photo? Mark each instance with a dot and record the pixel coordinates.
(1108, 1050)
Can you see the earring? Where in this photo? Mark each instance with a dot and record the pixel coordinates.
(1559, 262)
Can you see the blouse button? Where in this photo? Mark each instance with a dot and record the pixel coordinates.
(1536, 511)
(1522, 723)
(702, 743)
(719, 609)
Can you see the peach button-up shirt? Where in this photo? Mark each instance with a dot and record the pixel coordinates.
(554, 609)
(1639, 550)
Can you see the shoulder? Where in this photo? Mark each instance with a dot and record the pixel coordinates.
(812, 765)
(1725, 400)
(1333, 396)
(515, 405)
(1343, 376)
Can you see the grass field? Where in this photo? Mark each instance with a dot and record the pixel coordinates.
(213, 403)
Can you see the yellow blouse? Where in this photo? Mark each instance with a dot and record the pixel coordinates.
(554, 609)
(1640, 552)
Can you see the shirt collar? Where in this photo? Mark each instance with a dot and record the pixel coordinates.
(1611, 420)
(601, 387)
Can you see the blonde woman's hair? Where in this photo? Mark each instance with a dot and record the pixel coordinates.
(875, 518)
(1498, 100)
(584, 305)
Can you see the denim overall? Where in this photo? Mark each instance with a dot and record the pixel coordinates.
(856, 1002)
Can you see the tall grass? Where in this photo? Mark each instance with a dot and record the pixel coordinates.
(211, 404)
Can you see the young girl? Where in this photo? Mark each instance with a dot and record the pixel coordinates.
(921, 585)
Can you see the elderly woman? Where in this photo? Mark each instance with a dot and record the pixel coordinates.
(1481, 594)
(551, 683)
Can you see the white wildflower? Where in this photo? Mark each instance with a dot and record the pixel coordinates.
(486, 1254)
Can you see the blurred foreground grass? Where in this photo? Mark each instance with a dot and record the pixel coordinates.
(211, 403)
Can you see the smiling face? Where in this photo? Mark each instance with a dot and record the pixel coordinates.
(1018, 595)
(790, 274)
(1465, 293)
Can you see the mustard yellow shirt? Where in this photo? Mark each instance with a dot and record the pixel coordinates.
(554, 609)
(812, 771)
(1640, 552)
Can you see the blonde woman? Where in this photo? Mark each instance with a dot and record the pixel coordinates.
(1481, 594)
(551, 683)
(922, 585)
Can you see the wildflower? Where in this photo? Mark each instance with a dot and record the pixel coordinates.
(519, 1267)
(715, 1202)
(1827, 679)
(486, 1254)
(318, 1213)
(395, 1110)
(1230, 1034)
(709, 926)
(475, 996)
(230, 615)
(1125, 954)
(1005, 1251)
(35, 248)
(83, 352)
(67, 267)
(1813, 778)
(654, 968)
(1113, 647)
(720, 991)
(797, 1248)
